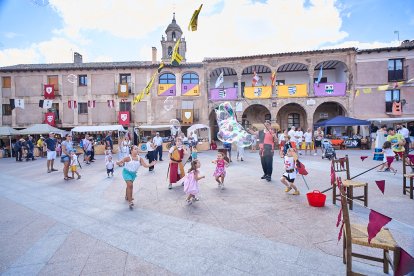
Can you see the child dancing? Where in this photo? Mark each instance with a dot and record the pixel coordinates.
(191, 187)
(288, 178)
(109, 165)
(389, 155)
(131, 165)
(220, 171)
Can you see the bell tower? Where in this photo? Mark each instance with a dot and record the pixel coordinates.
(173, 32)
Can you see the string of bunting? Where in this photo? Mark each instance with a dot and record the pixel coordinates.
(384, 87)
(376, 222)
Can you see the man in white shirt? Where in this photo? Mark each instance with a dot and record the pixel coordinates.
(292, 133)
(299, 139)
(157, 141)
(406, 134)
(308, 141)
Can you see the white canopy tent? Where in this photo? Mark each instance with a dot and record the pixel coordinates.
(41, 129)
(8, 131)
(85, 129)
(201, 130)
(154, 127)
(392, 120)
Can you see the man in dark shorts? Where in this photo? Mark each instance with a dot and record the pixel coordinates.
(318, 136)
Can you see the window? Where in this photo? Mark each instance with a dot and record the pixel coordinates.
(83, 80)
(395, 70)
(167, 78)
(190, 78)
(82, 108)
(390, 97)
(323, 80)
(53, 80)
(6, 83)
(187, 104)
(126, 78)
(293, 119)
(6, 111)
(280, 82)
(125, 106)
(243, 84)
(268, 117)
(173, 36)
(169, 51)
(55, 109)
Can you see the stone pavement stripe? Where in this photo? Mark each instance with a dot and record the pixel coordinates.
(41, 251)
(172, 244)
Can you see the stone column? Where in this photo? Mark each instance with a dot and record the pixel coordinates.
(89, 97)
(239, 87)
(311, 92)
(13, 96)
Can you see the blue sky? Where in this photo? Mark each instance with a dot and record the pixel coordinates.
(105, 30)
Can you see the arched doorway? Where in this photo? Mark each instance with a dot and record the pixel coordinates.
(292, 114)
(255, 114)
(328, 110)
(214, 129)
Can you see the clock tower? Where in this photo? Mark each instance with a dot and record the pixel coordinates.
(173, 33)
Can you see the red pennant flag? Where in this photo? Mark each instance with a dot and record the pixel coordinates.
(301, 168)
(381, 185)
(363, 158)
(411, 157)
(339, 217)
(342, 162)
(333, 176)
(92, 104)
(340, 231)
(376, 222)
(406, 264)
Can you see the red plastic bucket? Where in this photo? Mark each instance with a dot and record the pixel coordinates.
(316, 198)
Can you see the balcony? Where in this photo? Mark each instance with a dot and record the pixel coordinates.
(330, 89)
(223, 94)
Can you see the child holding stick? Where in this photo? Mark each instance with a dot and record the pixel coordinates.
(288, 178)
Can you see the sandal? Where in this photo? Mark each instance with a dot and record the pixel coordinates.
(66, 178)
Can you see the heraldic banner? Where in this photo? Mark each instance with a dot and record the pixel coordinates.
(258, 92)
(292, 91)
(50, 118)
(123, 118)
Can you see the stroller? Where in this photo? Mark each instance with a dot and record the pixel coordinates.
(328, 151)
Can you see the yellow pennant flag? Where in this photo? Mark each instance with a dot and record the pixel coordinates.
(162, 65)
(149, 85)
(176, 58)
(138, 97)
(357, 93)
(193, 22)
(367, 90)
(383, 87)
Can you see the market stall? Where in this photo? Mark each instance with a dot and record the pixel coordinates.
(6, 131)
(203, 134)
(341, 136)
(150, 130)
(100, 148)
(41, 129)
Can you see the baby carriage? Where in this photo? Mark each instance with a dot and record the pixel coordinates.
(328, 151)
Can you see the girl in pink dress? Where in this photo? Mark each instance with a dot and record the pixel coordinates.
(191, 187)
(220, 171)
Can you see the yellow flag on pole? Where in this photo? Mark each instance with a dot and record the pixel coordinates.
(138, 97)
(176, 58)
(162, 65)
(193, 22)
(149, 85)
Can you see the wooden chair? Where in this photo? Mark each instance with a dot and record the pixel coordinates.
(408, 175)
(358, 234)
(342, 165)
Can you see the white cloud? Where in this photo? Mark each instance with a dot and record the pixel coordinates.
(18, 56)
(11, 35)
(102, 58)
(55, 50)
(364, 45)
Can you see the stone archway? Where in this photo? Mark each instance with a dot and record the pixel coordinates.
(292, 114)
(328, 110)
(255, 114)
(214, 129)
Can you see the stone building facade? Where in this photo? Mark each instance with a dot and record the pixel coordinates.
(294, 99)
